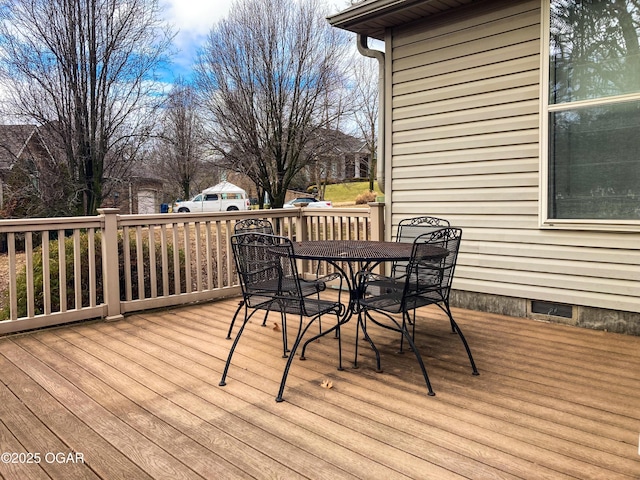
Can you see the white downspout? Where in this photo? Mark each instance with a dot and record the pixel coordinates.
(363, 48)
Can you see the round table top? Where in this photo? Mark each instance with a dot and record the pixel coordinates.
(357, 250)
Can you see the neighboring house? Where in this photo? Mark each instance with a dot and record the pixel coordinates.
(33, 149)
(337, 157)
(519, 122)
(140, 194)
(36, 151)
(343, 157)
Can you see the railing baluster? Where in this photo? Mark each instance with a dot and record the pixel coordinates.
(140, 262)
(187, 255)
(46, 274)
(13, 291)
(219, 254)
(28, 246)
(126, 247)
(153, 279)
(198, 260)
(209, 254)
(165, 260)
(227, 253)
(77, 269)
(62, 270)
(91, 252)
(176, 261)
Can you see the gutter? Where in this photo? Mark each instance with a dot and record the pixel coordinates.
(363, 48)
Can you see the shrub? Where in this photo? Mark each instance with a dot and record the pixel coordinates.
(366, 197)
(54, 277)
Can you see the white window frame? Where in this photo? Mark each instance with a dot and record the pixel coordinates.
(545, 109)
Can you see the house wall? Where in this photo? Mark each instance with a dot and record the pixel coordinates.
(465, 145)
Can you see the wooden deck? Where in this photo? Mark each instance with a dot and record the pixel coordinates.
(139, 399)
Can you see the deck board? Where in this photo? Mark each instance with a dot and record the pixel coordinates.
(139, 398)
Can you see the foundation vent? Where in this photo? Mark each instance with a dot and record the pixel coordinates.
(550, 308)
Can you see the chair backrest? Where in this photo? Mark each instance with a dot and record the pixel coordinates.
(253, 225)
(410, 228)
(431, 276)
(266, 267)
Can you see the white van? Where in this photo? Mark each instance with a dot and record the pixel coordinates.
(223, 197)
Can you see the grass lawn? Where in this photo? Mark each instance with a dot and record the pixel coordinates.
(347, 192)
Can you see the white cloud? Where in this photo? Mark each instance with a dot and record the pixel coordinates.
(193, 19)
(196, 16)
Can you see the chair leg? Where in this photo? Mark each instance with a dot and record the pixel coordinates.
(283, 322)
(301, 332)
(336, 327)
(358, 322)
(313, 339)
(233, 320)
(412, 322)
(406, 334)
(456, 329)
(406, 320)
(233, 348)
(402, 328)
(362, 324)
(264, 321)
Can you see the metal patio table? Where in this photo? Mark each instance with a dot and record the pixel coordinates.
(349, 257)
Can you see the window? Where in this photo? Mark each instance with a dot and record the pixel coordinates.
(593, 111)
(211, 197)
(232, 196)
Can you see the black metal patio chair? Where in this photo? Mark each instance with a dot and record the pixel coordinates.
(411, 228)
(408, 230)
(426, 281)
(270, 281)
(309, 287)
(253, 225)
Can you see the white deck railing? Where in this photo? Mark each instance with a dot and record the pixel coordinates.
(112, 264)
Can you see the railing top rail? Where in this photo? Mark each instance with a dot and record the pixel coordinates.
(128, 220)
(336, 212)
(171, 218)
(21, 225)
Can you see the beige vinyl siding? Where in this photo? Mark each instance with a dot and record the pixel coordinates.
(465, 146)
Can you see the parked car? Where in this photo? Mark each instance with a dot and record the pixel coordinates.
(307, 202)
(223, 197)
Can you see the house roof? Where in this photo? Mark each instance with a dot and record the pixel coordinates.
(27, 141)
(13, 140)
(373, 17)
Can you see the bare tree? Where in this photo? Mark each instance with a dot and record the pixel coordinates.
(366, 108)
(85, 67)
(181, 156)
(271, 73)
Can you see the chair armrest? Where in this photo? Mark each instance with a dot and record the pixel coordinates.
(328, 278)
(320, 283)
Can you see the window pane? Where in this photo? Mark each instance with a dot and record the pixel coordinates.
(594, 162)
(595, 51)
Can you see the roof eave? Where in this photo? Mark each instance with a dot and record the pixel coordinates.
(374, 17)
(362, 18)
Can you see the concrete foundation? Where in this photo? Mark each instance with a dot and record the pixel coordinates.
(587, 317)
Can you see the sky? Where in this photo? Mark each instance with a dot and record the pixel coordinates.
(193, 20)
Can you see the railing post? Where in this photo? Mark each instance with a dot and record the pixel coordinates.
(377, 220)
(302, 234)
(301, 226)
(376, 216)
(110, 264)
